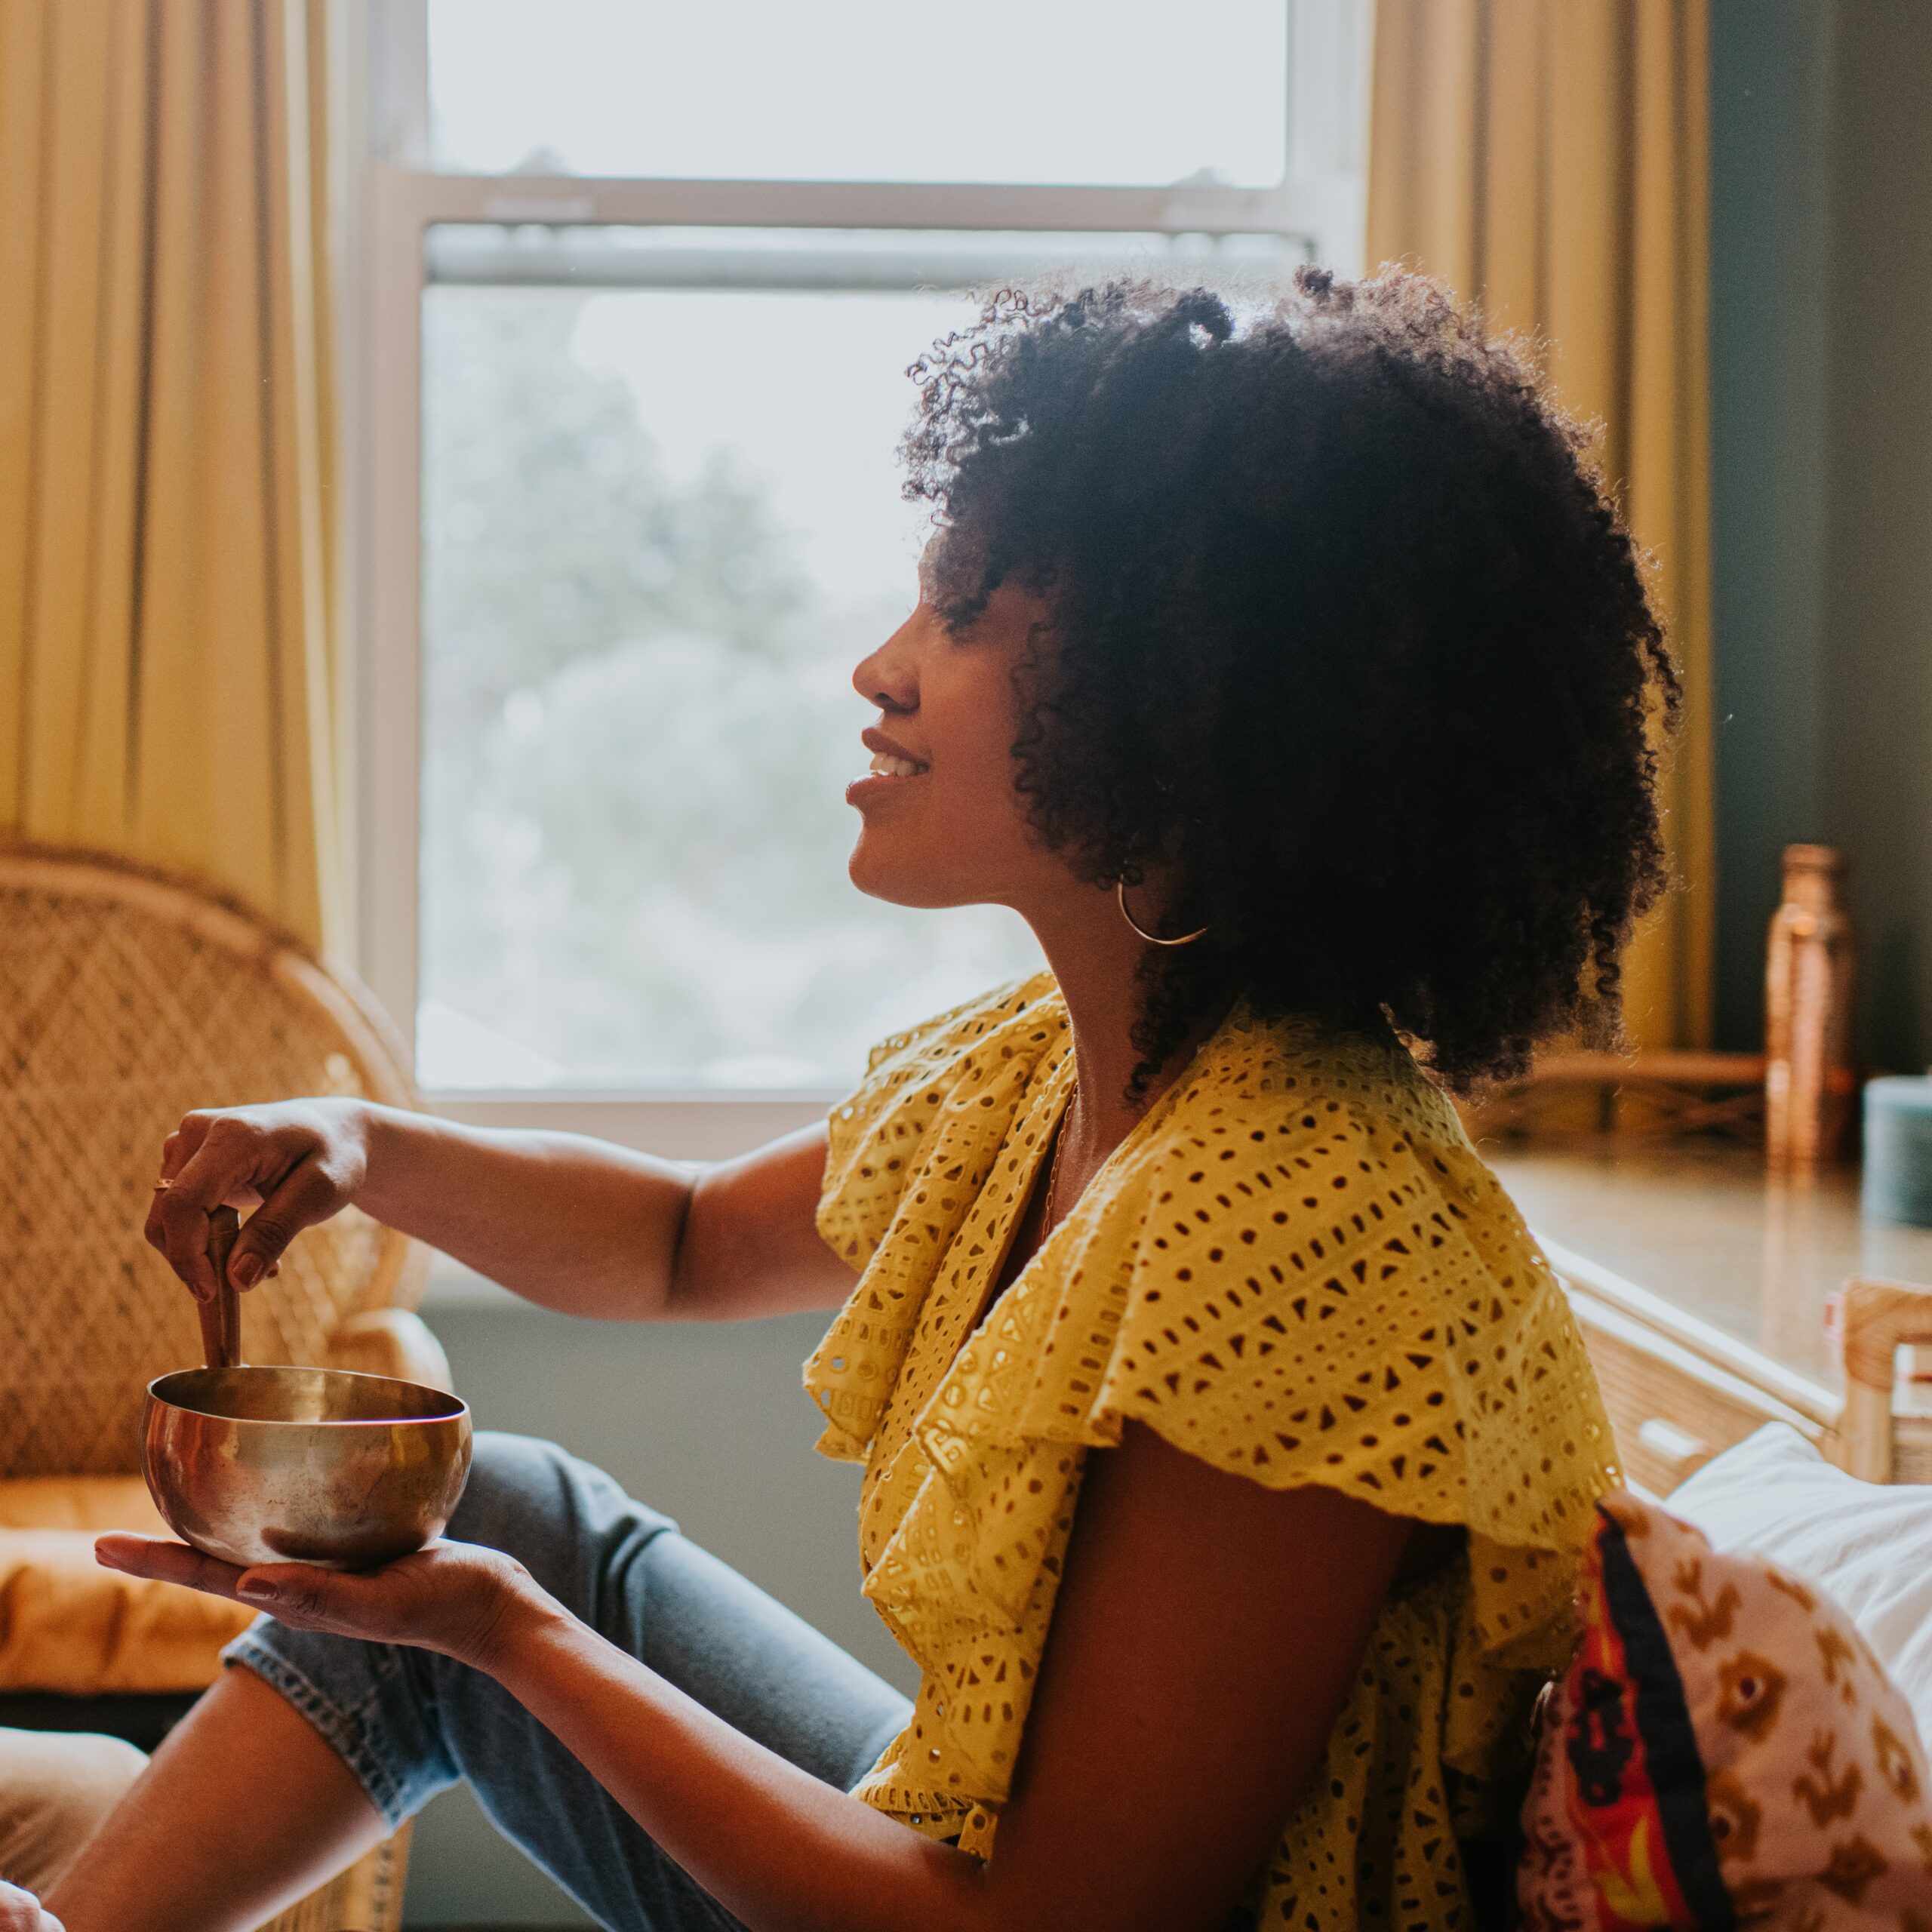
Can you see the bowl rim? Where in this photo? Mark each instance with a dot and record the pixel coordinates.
(459, 1410)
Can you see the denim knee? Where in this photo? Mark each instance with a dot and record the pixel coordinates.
(376, 1705)
(568, 1523)
(382, 1706)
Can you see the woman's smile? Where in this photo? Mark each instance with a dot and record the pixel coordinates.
(940, 822)
(892, 764)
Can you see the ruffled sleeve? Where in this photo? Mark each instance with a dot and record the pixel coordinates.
(879, 1131)
(909, 1151)
(1307, 1276)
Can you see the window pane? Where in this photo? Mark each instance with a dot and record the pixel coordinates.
(651, 562)
(1120, 92)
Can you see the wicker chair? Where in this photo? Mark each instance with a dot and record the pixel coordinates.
(126, 998)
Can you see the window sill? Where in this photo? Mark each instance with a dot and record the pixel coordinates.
(453, 1288)
(700, 1125)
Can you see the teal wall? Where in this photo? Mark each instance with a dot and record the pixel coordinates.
(1769, 325)
(1821, 371)
(1875, 768)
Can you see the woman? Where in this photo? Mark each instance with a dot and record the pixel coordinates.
(1228, 1444)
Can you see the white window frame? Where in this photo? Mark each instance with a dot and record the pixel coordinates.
(392, 197)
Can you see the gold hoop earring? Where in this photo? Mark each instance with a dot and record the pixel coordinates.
(1187, 939)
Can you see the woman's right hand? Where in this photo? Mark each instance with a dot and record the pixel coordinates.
(295, 1162)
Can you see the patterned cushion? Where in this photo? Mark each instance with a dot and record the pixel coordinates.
(1867, 1544)
(1724, 1750)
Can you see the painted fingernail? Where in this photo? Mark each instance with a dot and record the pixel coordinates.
(247, 1271)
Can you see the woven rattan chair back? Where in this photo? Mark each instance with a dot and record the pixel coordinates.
(126, 998)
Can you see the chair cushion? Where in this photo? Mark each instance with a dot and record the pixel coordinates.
(69, 1626)
(1724, 1750)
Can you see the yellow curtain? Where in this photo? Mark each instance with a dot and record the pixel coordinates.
(1548, 159)
(168, 680)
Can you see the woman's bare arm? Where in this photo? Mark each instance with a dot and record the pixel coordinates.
(1206, 1637)
(1205, 1640)
(595, 1229)
(571, 1222)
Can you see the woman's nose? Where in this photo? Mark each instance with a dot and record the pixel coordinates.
(889, 677)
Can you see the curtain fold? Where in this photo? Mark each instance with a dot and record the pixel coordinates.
(167, 629)
(1549, 160)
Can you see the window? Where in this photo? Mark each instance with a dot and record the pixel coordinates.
(1126, 92)
(638, 289)
(659, 528)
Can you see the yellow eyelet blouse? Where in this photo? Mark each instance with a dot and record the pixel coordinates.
(1294, 1267)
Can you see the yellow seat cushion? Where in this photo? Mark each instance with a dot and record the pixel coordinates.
(67, 1625)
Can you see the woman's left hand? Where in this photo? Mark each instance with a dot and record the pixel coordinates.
(453, 1598)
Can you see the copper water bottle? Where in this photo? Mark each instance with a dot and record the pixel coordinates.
(1809, 1085)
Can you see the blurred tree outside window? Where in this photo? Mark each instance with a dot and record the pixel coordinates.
(639, 713)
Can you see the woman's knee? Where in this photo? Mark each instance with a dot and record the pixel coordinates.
(564, 1519)
(55, 1787)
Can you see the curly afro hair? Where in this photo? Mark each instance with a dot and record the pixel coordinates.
(1344, 627)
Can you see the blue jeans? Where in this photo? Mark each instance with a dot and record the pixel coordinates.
(410, 1724)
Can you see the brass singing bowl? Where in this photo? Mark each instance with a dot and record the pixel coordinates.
(267, 1465)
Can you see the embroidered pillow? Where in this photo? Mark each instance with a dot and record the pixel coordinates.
(1867, 1544)
(1724, 1750)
